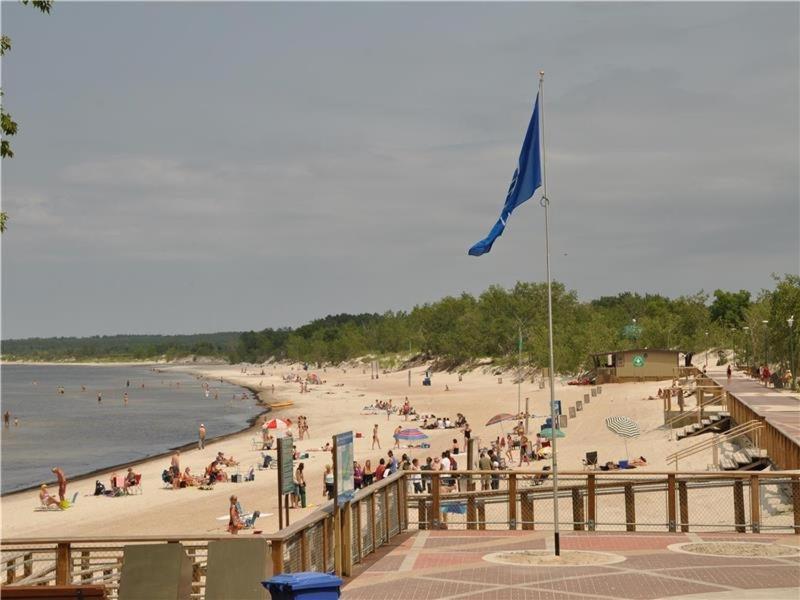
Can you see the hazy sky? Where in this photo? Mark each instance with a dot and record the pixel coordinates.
(201, 167)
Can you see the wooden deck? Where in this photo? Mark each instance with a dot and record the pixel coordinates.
(778, 409)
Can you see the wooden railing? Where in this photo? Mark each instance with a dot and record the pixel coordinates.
(373, 517)
(627, 500)
(751, 430)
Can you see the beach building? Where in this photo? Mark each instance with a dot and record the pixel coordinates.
(638, 364)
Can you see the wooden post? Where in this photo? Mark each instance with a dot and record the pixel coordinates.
(400, 492)
(526, 510)
(578, 522)
(671, 514)
(27, 566)
(277, 556)
(11, 571)
(796, 502)
(436, 506)
(738, 506)
(472, 515)
(512, 501)
(304, 550)
(755, 503)
(63, 564)
(482, 515)
(347, 539)
(422, 517)
(630, 508)
(591, 501)
(197, 571)
(683, 501)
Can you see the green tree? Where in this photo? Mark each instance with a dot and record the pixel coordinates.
(7, 124)
(728, 308)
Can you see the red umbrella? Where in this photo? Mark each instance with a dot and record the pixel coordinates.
(277, 424)
(500, 418)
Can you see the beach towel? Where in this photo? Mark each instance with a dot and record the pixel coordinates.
(455, 508)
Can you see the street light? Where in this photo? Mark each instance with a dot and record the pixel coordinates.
(792, 363)
(747, 349)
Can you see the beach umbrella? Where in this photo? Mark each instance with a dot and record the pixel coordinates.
(277, 424)
(625, 427)
(412, 434)
(547, 433)
(500, 418)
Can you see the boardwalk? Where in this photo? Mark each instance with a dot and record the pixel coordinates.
(780, 408)
(452, 564)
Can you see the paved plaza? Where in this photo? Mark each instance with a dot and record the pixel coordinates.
(454, 564)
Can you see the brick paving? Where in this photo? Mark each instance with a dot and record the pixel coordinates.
(446, 565)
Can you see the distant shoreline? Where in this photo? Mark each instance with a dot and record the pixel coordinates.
(107, 363)
(252, 424)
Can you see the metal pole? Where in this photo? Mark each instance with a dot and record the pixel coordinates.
(545, 202)
(519, 371)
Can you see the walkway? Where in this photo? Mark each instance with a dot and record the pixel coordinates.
(780, 408)
(451, 564)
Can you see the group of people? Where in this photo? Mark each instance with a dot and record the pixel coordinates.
(214, 472)
(47, 500)
(302, 427)
(7, 420)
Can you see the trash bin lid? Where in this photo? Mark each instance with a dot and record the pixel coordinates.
(305, 581)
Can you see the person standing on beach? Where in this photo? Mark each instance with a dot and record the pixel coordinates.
(396, 436)
(300, 485)
(375, 439)
(62, 483)
(201, 437)
(99, 397)
(175, 467)
(6, 418)
(125, 398)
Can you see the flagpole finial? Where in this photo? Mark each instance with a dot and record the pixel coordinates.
(541, 74)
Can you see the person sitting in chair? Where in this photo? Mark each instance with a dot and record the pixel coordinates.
(46, 499)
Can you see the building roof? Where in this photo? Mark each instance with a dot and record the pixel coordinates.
(638, 350)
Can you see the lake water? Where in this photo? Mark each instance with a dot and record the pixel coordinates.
(75, 431)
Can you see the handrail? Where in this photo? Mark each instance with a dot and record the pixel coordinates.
(737, 431)
(695, 410)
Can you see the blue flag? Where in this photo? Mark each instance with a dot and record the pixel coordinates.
(527, 179)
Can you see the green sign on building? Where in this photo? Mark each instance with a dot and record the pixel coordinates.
(638, 360)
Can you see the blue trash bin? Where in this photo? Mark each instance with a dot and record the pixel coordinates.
(307, 586)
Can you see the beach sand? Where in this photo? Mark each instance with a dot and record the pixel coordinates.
(334, 407)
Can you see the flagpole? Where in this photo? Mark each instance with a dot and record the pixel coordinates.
(545, 202)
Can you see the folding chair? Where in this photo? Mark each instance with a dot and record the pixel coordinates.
(590, 462)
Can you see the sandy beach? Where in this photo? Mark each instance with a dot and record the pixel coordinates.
(333, 407)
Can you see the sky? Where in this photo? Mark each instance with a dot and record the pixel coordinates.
(199, 167)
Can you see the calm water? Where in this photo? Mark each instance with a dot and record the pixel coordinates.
(76, 432)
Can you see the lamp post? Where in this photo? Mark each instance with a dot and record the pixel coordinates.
(706, 365)
(766, 350)
(746, 329)
(792, 357)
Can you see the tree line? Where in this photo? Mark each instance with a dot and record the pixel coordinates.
(458, 330)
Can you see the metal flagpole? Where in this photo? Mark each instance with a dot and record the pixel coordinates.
(545, 202)
(519, 371)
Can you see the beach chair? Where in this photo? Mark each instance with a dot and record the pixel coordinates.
(590, 462)
(136, 487)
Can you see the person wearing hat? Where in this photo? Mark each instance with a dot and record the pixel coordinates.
(201, 435)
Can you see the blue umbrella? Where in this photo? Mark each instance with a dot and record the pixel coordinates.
(547, 433)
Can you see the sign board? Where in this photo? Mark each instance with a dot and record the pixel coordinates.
(594, 392)
(558, 406)
(578, 405)
(638, 360)
(343, 466)
(586, 398)
(572, 413)
(599, 389)
(285, 465)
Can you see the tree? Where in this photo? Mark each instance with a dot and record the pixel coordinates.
(7, 124)
(729, 308)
